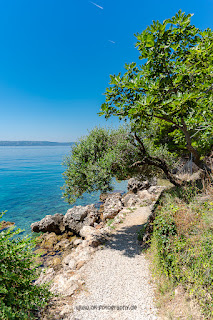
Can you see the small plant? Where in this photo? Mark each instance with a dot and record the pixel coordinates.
(19, 297)
(140, 233)
(110, 221)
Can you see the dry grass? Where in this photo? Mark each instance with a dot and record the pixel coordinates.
(208, 185)
(185, 219)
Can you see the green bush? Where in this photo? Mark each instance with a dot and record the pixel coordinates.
(19, 297)
(182, 246)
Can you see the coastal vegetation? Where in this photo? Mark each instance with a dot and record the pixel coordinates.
(104, 154)
(181, 250)
(167, 103)
(19, 297)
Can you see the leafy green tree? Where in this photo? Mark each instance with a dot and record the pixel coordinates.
(104, 154)
(172, 90)
(19, 297)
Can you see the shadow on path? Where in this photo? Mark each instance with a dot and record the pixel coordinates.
(125, 240)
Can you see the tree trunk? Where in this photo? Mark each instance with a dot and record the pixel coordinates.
(164, 167)
(154, 161)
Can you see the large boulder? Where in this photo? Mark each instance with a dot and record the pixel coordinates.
(131, 200)
(135, 185)
(112, 206)
(78, 217)
(49, 224)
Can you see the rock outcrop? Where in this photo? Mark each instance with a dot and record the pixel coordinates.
(74, 220)
(49, 224)
(140, 193)
(134, 185)
(131, 200)
(78, 217)
(6, 224)
(112, 206)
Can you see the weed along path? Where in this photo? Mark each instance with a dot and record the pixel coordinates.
(117, 278)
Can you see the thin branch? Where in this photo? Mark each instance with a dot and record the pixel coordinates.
(209, 89)
(136, 164)
(141, 145)
(168, 120)
(201, 129)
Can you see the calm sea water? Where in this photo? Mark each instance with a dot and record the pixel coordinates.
(30, 184)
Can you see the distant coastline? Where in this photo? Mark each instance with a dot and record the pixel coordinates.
(33, 143)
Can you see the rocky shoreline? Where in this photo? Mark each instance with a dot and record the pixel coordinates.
(68, 242)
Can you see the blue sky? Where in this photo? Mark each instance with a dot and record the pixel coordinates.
(56, 58)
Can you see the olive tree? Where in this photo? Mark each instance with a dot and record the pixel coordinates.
(105, 154)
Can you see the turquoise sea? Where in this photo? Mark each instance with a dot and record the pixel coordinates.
(30, 184)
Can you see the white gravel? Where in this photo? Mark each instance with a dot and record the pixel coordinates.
(117, 278)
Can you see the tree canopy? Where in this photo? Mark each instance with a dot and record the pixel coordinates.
(172, 89)
(167, 101)
(104, 154)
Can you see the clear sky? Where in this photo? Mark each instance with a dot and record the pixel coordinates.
(56, 58)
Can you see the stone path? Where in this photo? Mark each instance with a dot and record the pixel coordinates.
(117, 278)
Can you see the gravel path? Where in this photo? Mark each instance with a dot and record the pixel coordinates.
(117, 278)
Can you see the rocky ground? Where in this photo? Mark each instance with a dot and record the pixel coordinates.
(92, 258)
(6, 225)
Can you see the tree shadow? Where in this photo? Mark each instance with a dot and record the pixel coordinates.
(126, 241)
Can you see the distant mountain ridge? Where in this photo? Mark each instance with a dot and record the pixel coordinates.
(34, 143)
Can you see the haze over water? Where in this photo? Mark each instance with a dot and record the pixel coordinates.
(30, 184)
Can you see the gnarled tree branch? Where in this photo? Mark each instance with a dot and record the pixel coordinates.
(154, 161)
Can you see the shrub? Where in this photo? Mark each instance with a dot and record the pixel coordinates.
(182, 246)
(19, 297)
